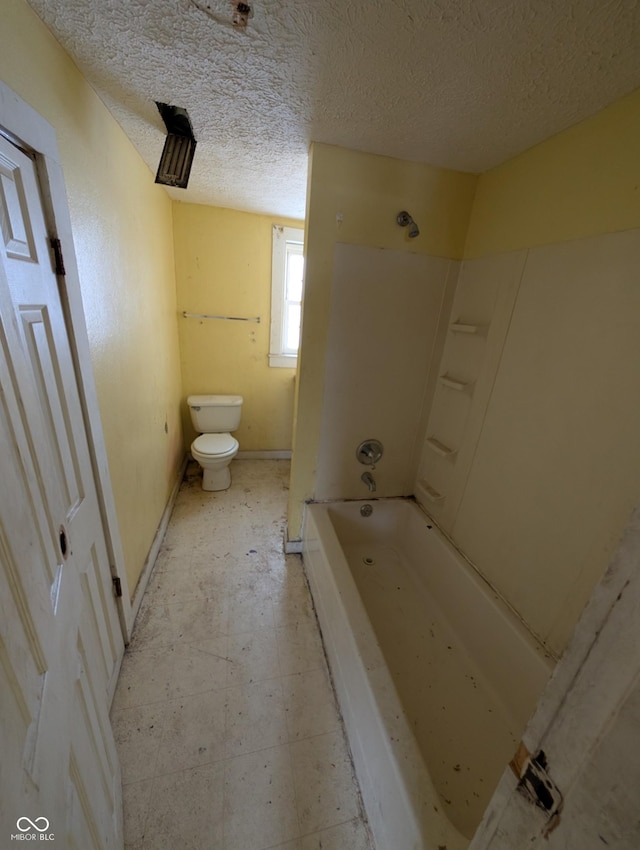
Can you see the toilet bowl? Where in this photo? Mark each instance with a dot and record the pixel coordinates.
(215, 416)
(214, 453)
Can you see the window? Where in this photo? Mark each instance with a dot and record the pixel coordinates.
(286, 295)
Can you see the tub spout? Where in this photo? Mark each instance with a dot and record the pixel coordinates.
(367, 477)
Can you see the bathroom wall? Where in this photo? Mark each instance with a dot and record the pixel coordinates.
(223, 267)
(353, 199)
(545, 467)
(123, 239)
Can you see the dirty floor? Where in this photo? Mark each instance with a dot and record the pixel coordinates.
(226, 724)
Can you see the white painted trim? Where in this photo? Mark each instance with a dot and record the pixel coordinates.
(284, 361)
(264, 455)
(292, 547)
(150, 561)
(30, 129)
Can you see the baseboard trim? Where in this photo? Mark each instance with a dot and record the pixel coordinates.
(264, 455)
(293, 547)
(150, 562)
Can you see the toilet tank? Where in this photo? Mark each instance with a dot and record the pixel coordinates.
(215, 414)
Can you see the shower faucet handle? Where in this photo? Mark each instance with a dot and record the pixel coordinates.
(369, 452)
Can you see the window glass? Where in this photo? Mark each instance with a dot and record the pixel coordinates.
(294, 276)
(287, 284)
(292, 334)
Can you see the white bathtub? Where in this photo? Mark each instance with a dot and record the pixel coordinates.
(435, 676)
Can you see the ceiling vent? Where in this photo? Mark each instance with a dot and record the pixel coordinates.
(179, 147)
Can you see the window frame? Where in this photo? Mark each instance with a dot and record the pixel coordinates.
(283, 240)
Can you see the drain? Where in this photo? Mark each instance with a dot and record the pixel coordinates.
(369, 561)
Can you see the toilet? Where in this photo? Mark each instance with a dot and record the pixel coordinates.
(214, 416)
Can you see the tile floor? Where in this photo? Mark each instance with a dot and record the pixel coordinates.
(225, 720)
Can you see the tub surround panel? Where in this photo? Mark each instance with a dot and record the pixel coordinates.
(555, 475)
(384, 317)
(432, 380)
(532, 423)
(475, 335)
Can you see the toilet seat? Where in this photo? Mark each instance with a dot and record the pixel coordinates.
(215, 445)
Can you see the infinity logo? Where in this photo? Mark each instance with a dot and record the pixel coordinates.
(32, 824)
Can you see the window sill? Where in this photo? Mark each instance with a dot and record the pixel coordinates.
(283, 361)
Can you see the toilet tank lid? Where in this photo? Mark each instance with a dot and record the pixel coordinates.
(214, 400)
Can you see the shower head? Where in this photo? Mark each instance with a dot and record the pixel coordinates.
(404, 219)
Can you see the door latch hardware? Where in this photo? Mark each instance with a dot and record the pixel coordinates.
(64, 542)
(117, 586)
(537, 786)
(58, 259)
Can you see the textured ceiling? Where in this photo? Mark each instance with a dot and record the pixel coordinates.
(463, 84)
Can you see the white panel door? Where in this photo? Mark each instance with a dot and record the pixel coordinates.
(60, 637)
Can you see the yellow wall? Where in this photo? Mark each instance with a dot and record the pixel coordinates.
(223, 267)
(354, 198)
(579, 183)
(123, 238)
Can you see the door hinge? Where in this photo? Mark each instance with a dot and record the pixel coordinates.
(537, 786)
(58, 259)
(117, 586)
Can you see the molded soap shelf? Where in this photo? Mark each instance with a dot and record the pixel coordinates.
(439, 448)
(431, 493)
(464, 328)
(454, 383)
